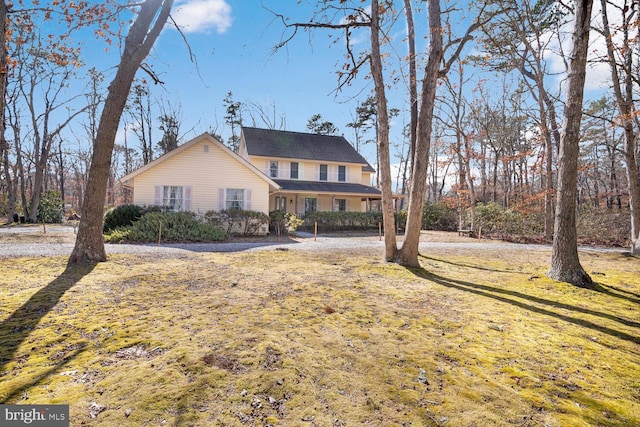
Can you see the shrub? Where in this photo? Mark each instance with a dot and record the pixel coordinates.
(602, 226)
(284, 222)
(121, 216)
(438, 216)
(237, 221)
(329, 221)
(495, 219)
(167, 227)
(50, 207)
(400, 219)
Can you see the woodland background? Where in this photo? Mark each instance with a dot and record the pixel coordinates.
(495, 132)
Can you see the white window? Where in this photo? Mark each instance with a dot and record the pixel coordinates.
(323, 172)
(273, 169)
(342, 173)
(173, 197)
(235, 198)
(294, 171)
(341, 205)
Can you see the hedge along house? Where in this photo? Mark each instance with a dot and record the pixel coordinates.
(201, 175)
(312, 172)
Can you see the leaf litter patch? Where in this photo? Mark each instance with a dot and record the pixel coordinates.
(138, 352)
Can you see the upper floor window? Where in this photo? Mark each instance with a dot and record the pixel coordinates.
(342, 173)
(273, 169)
(323, 172)
(294, 170)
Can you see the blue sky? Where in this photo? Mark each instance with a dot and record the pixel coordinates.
(233, 42)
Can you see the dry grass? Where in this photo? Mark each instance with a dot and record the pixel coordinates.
(476, 338)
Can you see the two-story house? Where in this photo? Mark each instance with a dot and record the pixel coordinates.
(296, 172)
(313, 172)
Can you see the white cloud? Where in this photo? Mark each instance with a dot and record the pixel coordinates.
(200, 16)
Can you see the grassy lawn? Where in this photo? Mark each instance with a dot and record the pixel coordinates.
(291, 338)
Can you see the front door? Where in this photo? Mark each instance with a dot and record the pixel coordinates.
(310, 205)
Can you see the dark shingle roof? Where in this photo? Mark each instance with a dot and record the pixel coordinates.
(297, 145)
(326, 187)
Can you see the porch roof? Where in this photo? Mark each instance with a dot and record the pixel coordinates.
(292, 186)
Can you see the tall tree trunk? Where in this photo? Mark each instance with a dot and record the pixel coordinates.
(151, 18)
(4, 146)
(413, 79)
(625, 103)
(408, 255)
(472, 189)
(565, 264)
(384, 162)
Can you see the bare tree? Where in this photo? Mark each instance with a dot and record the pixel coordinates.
(458, 121)
(152, 17)
(141, 115)
(4, 145)
(170, 120)
(413, 81)
(384, 160)
(437, 67)
(41, 78)
(622, 62)
(266, 116)
(565, 264)
(22, 19)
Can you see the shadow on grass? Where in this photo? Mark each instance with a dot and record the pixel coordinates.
(619, 293)
(475, 267)
(499, 295)
(12, 394)
(609, 290)
(17, 327)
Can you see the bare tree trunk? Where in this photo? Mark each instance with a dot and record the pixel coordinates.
(4, 146)
(472, 190)
(151, 18)
(413, 79)
(565, 264)
(384, 161)
(409, 251)
(626, 108)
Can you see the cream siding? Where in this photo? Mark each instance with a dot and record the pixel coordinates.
(324, 202)
(205, 173)
(366, 178)
(309, 170)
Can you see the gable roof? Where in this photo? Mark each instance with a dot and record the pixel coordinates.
(298, 145)
(200, 138)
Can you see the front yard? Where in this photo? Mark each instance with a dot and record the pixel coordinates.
(296, 338)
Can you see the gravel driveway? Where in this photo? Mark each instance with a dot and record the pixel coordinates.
(12, 247)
